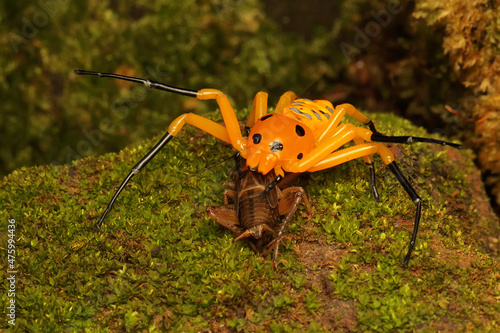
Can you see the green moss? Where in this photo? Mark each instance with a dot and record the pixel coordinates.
(159, 263)
(470, 40)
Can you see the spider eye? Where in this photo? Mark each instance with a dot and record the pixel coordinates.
(266, 116)
(299, 156)
(276, 146)
(256, 138)
(300, 130)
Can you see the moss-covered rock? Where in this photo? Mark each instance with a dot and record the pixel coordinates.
(160, 264)
(471, 40)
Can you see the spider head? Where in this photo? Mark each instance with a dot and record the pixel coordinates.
(275, 139)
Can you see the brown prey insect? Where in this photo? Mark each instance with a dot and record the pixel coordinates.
(257, 207)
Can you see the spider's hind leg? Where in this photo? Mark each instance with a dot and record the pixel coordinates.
(407, 139)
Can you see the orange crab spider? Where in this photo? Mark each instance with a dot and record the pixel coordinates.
(300, 136)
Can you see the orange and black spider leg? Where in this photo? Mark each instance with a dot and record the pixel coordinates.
(351, 153)
(202, 123)
(232, 126)
(163, 141)
(407, 139)
(147, 83)
(379, 137)
(230, 134)
(187, 118)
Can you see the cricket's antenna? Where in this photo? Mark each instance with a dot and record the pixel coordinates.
(310, 84)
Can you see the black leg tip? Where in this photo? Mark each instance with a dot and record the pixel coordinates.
(82, 72)
(406, 260)
(98, 225)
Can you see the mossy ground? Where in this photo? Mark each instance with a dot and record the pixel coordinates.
(160, 264)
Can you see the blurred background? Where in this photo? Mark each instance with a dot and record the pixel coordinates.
(434, 62)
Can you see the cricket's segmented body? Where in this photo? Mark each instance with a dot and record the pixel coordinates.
(254, 216)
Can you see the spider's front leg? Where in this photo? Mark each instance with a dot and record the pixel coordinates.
(202, 123)
(189, 118)
(230, 133)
